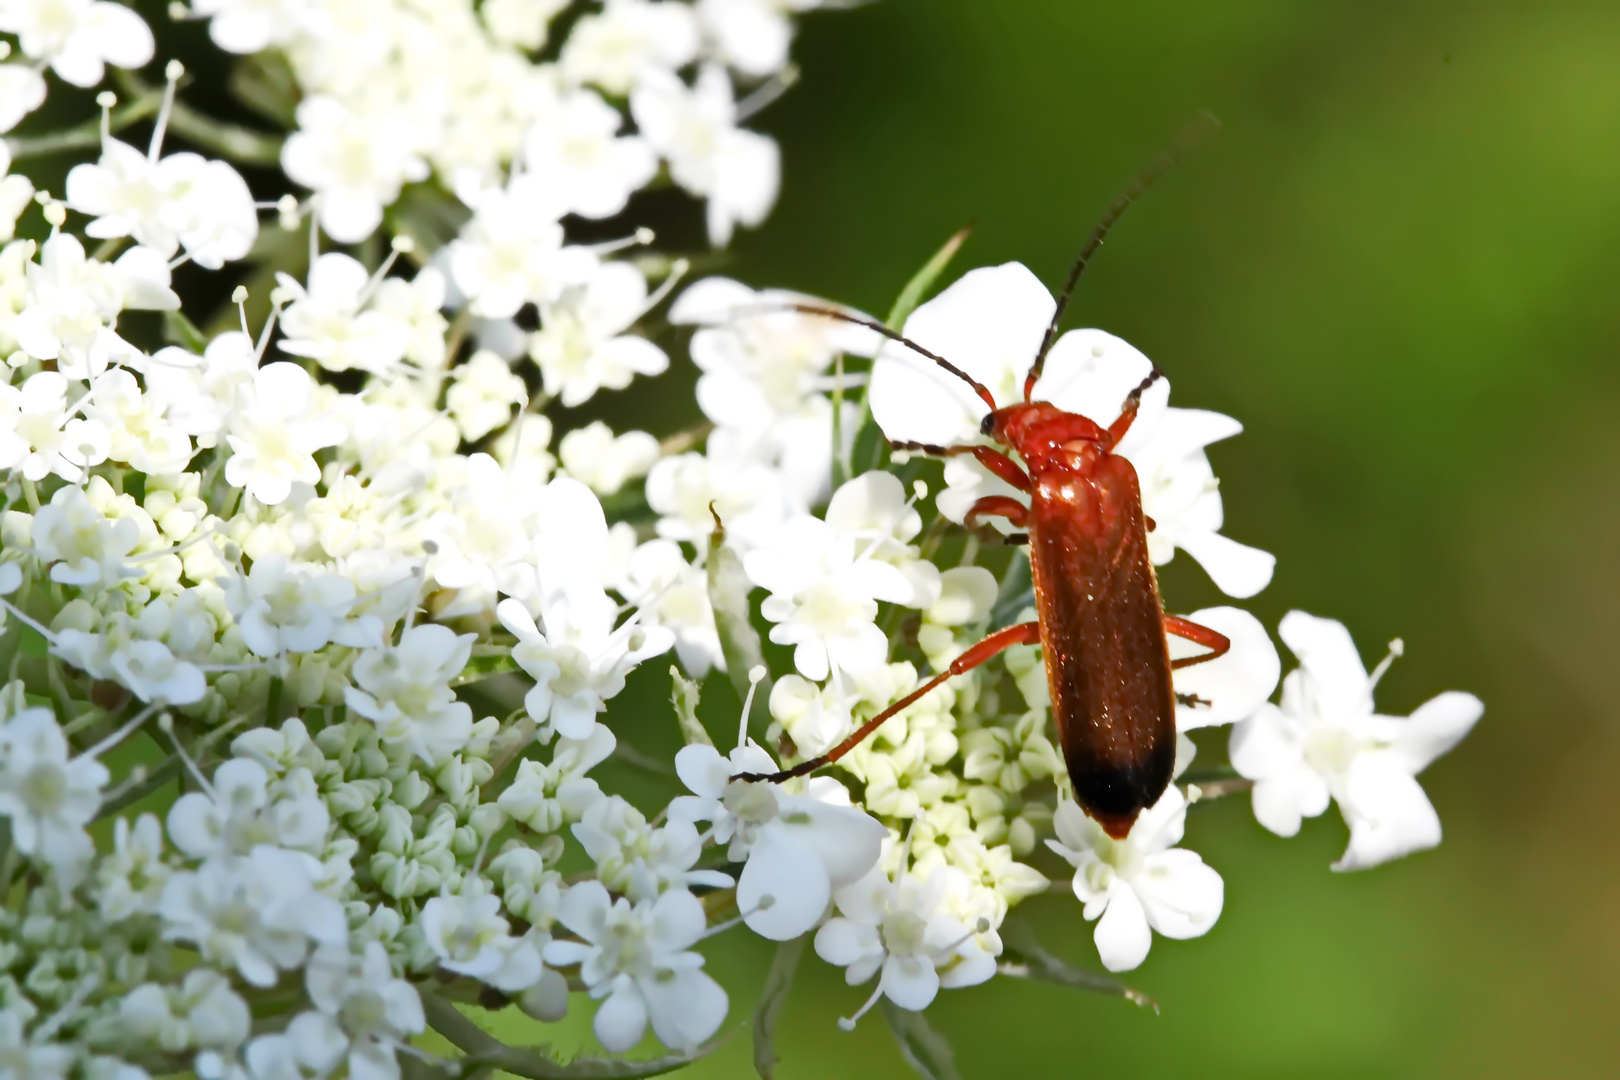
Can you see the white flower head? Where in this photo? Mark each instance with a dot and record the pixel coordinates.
(578, 152)
(22, 90)
(582, 347)
(689, 490)
(902, 929)
(405, 690)
(752, 36)
(41, 433)
(627, 41)
(638, 859)
(695, 130)
(1324, 741)
(363, 1005)
(355, 162)
(331, 321)
(16, 190)
(636, 957)
(512, 253)
(274, 433)
(281, 606)
(244, 809)
(78, 38)
(603, 461)
(82, 546)
(675, 595)
(797, 849)
(1141, 884)
(48, 794)
(989, 323)
(249, 26)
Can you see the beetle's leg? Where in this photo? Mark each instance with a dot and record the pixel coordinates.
(1022, 634)
(992, 459)
(1127, 413)
(1217, 643)
(1016, 513)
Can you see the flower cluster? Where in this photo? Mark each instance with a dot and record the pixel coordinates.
(348, 568)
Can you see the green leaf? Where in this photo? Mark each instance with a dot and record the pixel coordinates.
(869, 445)
(1025, 959)
(265, 83)
(739, 641)
(777, 984)
(925, 1050)
(181, 331)
(484, 1052)
(684, 696)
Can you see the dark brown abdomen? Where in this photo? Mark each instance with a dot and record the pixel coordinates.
(1102, 633)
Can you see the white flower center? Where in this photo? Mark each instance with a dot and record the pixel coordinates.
(1329, 749)
(825, 609)
(903, 933)
(44, 787)
(749, 803)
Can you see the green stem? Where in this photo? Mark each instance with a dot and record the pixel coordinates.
(87, 135)
(230, 140)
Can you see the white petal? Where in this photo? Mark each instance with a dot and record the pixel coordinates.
(686, 1009)
(1122, 935)
(621, 1020)
(842, 942)
(703, 770)
(1180, 895)
(848, 841)
(1388, 813)
(910, 982)
(1434, 728)
(1264, 745)
(793, 878)
(1236, 569)
(1091, 372)
(1235, 684)
(1326, 651)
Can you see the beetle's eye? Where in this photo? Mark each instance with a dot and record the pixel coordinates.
(988, 425)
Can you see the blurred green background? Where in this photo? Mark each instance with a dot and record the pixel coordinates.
(1398, 266)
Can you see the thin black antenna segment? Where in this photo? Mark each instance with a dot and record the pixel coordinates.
(871, 324)
(1187, 140)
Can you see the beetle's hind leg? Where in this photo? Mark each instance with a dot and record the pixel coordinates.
(1216, 642)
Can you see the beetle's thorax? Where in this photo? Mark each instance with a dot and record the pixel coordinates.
(1048, 438)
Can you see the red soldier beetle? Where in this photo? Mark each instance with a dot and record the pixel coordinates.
(1100, 621)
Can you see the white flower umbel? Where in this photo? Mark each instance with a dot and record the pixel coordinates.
(989, 324)
(1325, 741)
(361, 1004)
(77, 38)
(902, 929)
(695, 130)
(256, 913)
(274, 432)
(578, 152)
(405, 690)
(797, 849)
(1140, 884)
(637, 958)
(356, 163)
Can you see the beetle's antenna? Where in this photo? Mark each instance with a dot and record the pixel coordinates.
(871, 324)
(1187, 140)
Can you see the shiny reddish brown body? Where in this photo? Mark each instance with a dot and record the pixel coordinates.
(1101, 621)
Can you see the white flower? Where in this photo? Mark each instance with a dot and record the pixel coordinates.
(901, 929)
(29, 1058)
(130, 879)
(522, 23)
(511, 252)
(202, 1012)
(243, 810)
(137, 431)
(752, 35)
(824, 595)
(482, 393)
(356, 163)
(1140, 884)
(636, 957)
(416, 304)
(248, 26)
(273, 434)
(581, 346)
(580, 660)
(330, 322)
(627, 41)
(40, 435)
(989, 324)
(49, 795)
(78, 37)
(362, 1004)
(256, 913)
(689, 490)
(695, 130)
(1324, 741)
(545, 797)
(16, 191)
(577, 152)
(72, 302)
(637, 859)
(469, 936)
(305, 1051)
(675, 595)
(765, 374)
(22, 90)
(604, 462)
(405, 690)
(282, 606)
(183, 199)
(197, 393)
(798, 849)
(82, 546)
(152, 672)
